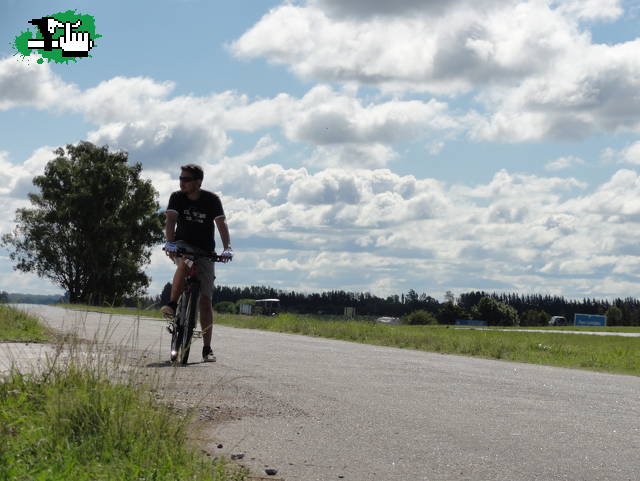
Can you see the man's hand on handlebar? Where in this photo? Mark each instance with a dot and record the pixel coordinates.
(171, 250)
(227, 255)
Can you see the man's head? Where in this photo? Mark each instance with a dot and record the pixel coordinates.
(191, 176)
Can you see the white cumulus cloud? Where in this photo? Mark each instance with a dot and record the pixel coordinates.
(564, 162)
(607, 10)
(631, 153)
(532, 65)
(33, 85)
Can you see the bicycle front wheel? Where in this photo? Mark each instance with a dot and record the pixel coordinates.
(191, 314)
(178, 328)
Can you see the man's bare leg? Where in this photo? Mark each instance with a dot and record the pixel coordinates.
(206, 319)
(206, 322)
(177, 287)
(178, 281)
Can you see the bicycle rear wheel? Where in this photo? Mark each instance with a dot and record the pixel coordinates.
(189, 325)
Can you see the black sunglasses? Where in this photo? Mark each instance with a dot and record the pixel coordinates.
(186, 179)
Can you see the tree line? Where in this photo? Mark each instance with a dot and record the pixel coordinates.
(18, 298)
(496, 308)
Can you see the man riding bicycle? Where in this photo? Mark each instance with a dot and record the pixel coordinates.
(195, 212)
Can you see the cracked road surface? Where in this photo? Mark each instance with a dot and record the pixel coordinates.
(320, 409)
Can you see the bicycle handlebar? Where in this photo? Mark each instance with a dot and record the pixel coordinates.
(182, 252)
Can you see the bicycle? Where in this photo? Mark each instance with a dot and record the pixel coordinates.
(182, 324)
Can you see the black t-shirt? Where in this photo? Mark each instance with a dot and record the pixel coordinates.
(195, 218)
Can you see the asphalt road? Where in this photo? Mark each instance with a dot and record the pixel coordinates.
(318, 409)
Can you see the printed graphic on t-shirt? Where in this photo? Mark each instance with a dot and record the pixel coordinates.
(192, 215)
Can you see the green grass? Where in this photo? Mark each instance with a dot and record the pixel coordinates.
(74, 425)
(599, 353)
(610, 353)
(86, 416)
(18, 326)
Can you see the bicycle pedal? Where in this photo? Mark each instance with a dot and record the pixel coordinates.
(197, 334)
(171, 327)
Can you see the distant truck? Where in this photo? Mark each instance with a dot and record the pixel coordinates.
(267, 307)
(558, 321)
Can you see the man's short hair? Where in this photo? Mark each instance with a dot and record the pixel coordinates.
(194, 170)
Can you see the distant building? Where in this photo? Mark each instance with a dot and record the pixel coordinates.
(245, 308)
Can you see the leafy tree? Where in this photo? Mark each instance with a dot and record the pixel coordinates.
(420, 317)
(411, 297)
(495, 312)
(469, 300)
(534, 317)
(449, 313)
(91, 227)
(614, 316)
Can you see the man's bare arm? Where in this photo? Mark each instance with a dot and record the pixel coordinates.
(170, 225)
(221, 222)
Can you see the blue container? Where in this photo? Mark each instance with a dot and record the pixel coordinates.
(466, 322)
(590, 320)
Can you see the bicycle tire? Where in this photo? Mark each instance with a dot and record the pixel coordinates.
(188, 327)
(178, 329)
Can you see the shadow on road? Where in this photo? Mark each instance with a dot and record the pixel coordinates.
(160, 364)
(171, 364)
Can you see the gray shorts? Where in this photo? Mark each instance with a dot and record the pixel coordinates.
(205, 270)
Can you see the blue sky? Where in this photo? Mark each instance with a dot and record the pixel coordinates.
(360, 145)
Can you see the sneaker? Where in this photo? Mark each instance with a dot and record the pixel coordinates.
(207, 354)
(169, 310)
